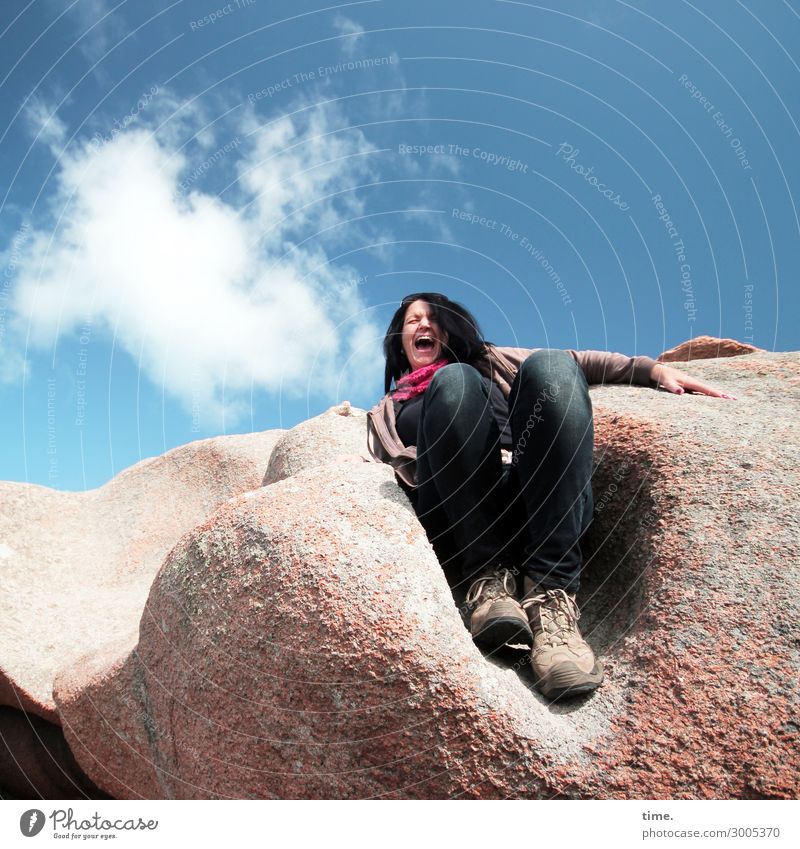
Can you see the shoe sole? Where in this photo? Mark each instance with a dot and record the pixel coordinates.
(570, 682)
(503, 631)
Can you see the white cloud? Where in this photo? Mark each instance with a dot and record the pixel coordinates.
(45, 125)
(13, 366)
(294, 168)
(350, 28)
(214, 298)
(98, 25)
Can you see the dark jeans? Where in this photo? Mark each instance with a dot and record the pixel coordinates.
(531, 514)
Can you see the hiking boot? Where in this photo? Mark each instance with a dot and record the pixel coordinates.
(497, 617)
(563, 663)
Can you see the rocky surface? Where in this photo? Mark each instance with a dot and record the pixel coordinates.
(694, 583)
(300, 641)
(77, 566)
(282, 656)
(338, 431)
(706, 348)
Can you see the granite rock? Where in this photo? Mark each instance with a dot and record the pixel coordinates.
(706, 348)
(300, 641)
(77, 566)
(340, 432)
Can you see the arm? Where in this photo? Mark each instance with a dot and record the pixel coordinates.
(677, 381)
(606, 367)
(598, 366)
(603, 367)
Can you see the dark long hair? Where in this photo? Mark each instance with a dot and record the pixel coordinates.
(465, 339)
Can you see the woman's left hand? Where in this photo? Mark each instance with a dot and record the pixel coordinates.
(674, 380)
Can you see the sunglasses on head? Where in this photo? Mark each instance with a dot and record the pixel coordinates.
(423, 296)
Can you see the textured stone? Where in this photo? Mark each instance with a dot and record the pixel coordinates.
(693, 585)
(302, 641)
(288, 652)
(341, 430)
(706, 348)
(77, 566)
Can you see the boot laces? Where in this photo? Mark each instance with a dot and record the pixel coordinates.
(558, 615)
(494, 584)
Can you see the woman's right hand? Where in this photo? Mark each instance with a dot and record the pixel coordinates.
(677, 381)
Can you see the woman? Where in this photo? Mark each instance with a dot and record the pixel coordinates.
(494, 447)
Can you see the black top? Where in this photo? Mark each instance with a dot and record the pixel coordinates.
(407, 415)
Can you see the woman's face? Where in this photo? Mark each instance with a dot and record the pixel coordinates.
(424, 341)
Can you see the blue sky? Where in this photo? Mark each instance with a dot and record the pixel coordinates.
(210, 211)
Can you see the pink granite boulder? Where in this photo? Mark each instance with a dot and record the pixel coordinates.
(289, 652)
(301, 641)
(340, 432)
(77, 566)
(706, 348)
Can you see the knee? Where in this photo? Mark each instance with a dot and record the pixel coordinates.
(455, 382)
(551, 367)
(553, 375)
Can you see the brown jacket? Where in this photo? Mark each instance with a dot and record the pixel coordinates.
(599, 367)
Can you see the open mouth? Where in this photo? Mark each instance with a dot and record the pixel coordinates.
(424, 344)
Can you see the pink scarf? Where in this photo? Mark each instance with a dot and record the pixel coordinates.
(416, 382)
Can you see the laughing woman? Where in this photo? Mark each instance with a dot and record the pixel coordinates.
(494, 448)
